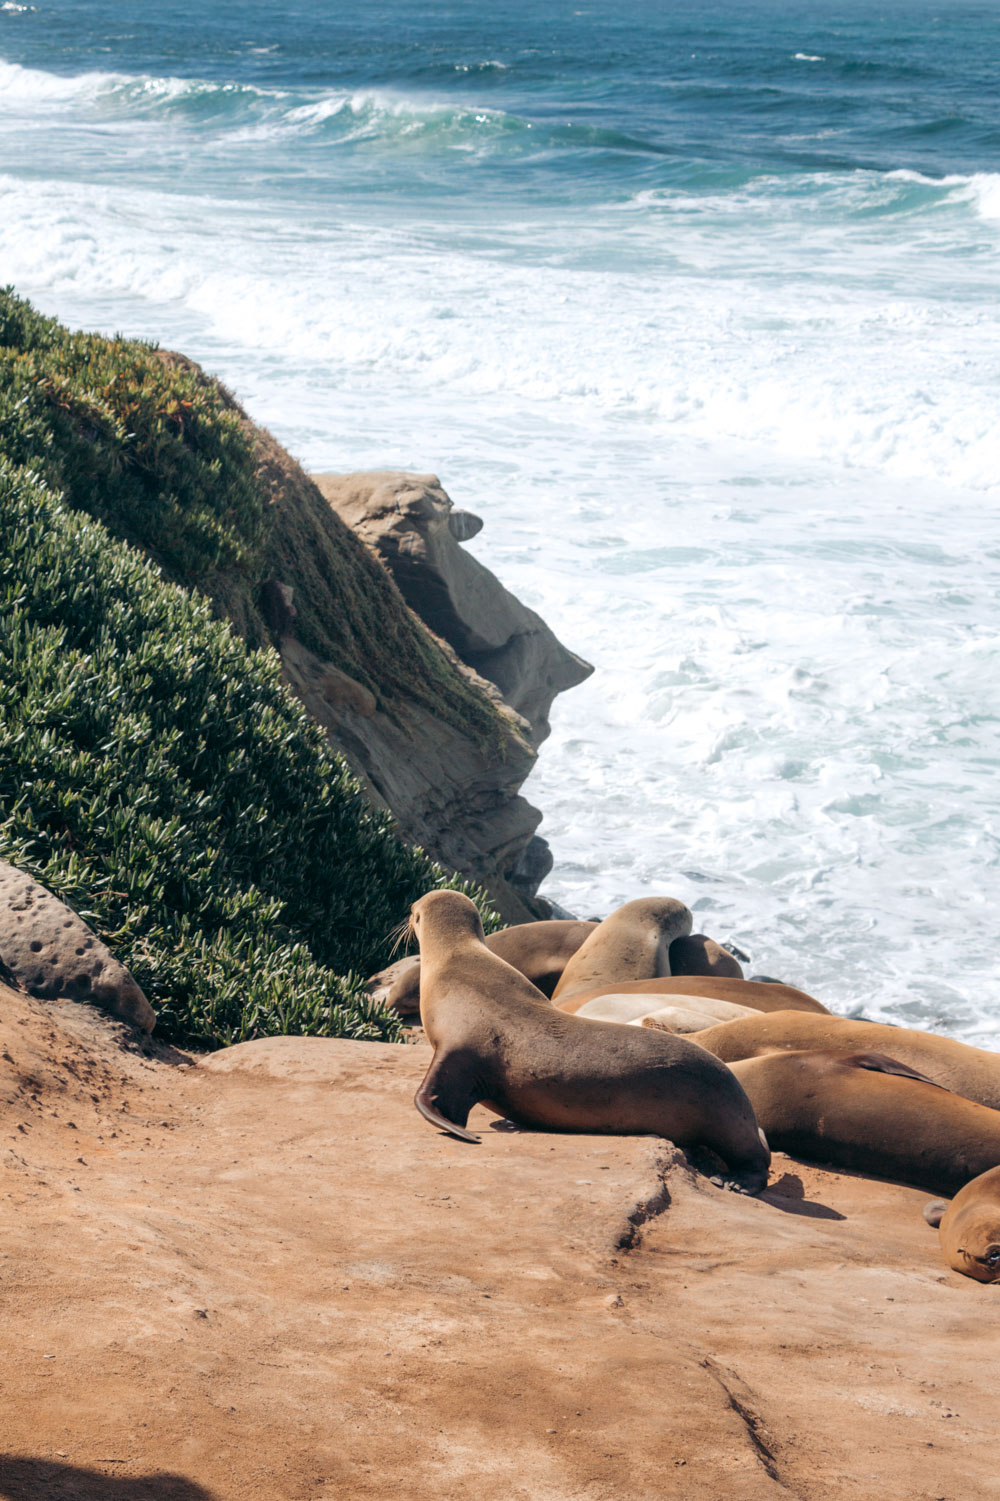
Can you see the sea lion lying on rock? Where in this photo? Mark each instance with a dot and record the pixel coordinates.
(631, 1009)
(971, 1072)
(969, 1227)
(691, 1014)
(751, 993)
(871, 1113)
(498, 1043)
(540, 950)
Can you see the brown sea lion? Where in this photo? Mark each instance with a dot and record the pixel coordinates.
(872, 1113)
(498, 1043)
(632, 944)
(760, 997)
(971, 1072)
(540, 950)
(700, 955)
(969, 1227)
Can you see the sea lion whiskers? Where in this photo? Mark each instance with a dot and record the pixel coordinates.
(402, 932)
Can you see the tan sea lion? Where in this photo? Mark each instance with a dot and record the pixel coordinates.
(540, 950)
(759, 997)
(691, 1014)
(498, 1043)
(969, 1227)
(631, 1009)
(700, 955)
(871, 1113)
(632, 944)
(971, 1072)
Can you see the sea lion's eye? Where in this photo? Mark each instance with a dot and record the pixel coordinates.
(992, 1257)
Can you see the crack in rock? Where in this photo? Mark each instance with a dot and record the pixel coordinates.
(740, 1396)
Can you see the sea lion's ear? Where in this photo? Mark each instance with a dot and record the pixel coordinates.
(934, 1212)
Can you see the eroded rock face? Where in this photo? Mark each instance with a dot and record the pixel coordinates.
(414, 529)
(51, 952)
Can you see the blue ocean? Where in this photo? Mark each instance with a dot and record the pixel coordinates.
(699, 308)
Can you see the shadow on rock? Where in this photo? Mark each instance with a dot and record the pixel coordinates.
(788, 1194)
(25, 1479)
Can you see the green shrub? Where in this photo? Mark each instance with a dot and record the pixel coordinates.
(156, 774)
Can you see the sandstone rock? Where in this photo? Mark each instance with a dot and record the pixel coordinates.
(52, 952)
(410, 523)
(448, 794)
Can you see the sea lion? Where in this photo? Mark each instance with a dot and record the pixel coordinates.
(498, 1043)
(969, 1227)
(691, 1014)
(770, 997)
(971, 1072)
(700, 955)
(632, 944)
(630, 1009)
(540, 950)
(871, 1113)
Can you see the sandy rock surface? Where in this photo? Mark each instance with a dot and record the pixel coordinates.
(266, 1276)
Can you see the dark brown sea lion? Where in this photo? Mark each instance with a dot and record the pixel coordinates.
(700, 955)
(872, 1113)
(632, 944)
(769, 997)
(971, 1072)
(540, 950)
(498, 1043)
(969, 1227)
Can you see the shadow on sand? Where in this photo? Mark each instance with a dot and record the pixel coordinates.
(26, 1479)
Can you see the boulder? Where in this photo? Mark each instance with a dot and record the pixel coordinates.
(52, 953)
(413, 528)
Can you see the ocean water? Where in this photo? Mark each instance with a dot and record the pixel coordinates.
(698, 307)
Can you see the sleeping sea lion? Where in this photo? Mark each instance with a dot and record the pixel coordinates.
(700, 955)
(971, 1072)
(631, 1009)
(759, 997)
(498, 1043)
(540, 950)
(872, 1113)
(969, 1227)
(691, 1014)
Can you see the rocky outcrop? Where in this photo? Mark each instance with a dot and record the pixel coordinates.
(52, 953)
(412, 526)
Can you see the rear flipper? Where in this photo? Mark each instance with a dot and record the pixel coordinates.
(881, 1063)
(448, 1093)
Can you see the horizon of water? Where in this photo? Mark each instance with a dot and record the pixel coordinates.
(700, 313)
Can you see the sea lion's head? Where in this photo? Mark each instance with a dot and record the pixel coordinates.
(445, 915)
(977, 1253)
(970, 1233)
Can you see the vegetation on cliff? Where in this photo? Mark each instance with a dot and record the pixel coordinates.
(147, 443)
(155, 773)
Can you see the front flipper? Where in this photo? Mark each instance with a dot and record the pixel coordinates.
(935, 1211)
(449, 1092)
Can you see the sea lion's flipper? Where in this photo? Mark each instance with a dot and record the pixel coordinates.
(880, 1063)
(934, 1212)
(448, 1093)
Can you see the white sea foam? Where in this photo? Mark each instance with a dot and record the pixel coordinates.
(807, 57)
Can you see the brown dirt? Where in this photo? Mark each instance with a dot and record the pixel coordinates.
(267, 1277)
